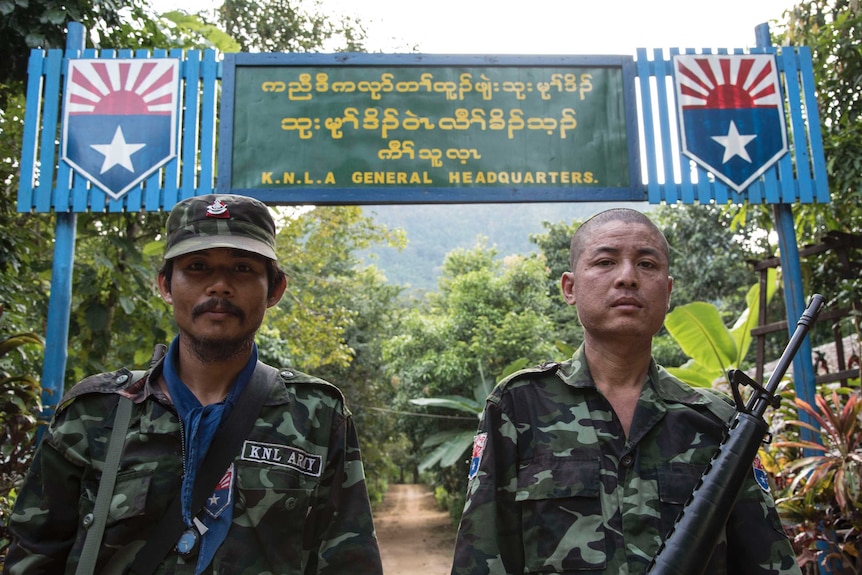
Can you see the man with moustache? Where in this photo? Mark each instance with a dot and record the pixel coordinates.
(583, 466)
(292, 499)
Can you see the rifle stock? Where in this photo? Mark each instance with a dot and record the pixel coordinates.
(690, 543)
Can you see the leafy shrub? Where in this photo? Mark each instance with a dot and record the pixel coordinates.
(20, 404)
(819, 483)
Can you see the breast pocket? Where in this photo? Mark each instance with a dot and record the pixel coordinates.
(130, 496)
(271, 508)
(127, 513)
(561, 515)
(676, 481)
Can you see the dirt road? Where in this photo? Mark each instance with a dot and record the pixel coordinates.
(415, 537)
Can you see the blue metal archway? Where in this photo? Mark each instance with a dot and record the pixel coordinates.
(48, 185)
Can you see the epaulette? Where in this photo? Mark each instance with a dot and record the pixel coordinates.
(673, 389)
(544, 368)
(111, 381)
(719, 404)
(291, 376)
(108, 382)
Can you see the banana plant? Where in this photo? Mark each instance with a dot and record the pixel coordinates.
(448, 447)
(712, 347)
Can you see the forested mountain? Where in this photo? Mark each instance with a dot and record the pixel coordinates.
(436, 229)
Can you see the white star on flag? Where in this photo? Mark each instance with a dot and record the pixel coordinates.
(734, 144)
(118, 152)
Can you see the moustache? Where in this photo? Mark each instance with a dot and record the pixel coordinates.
(217, 304)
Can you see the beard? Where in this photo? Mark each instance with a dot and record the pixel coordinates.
(213, 349)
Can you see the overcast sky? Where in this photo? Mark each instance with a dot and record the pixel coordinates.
(560, 26)
(548, 26)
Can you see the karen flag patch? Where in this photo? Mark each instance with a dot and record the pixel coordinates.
(476, 457)
(760, 474)
(222, 496)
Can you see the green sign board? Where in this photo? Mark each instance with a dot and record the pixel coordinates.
(481, 130)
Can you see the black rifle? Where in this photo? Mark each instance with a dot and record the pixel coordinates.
(690, 543)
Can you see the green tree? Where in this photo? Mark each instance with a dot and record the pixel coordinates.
(832, 29)
(367, 388)
(487, 314)
(317, 249)
(332, 319)
(42, 24)
(117, 316)
(709, 259)
(195, 31)
(25, 239)
(288, 26)
(554, 245)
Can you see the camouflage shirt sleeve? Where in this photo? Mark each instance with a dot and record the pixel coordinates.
(45, 520)
(490, 539)
(342, 538)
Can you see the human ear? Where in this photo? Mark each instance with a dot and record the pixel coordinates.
(277, 292)
(669, 290)
(567, 284)
(165, 289)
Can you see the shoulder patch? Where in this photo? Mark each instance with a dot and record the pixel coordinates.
(476, 458)
(760, 474)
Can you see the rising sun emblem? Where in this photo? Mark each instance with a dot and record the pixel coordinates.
(127, 87)
(731, 114)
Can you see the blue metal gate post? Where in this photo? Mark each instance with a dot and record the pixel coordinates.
(794, 299)
(794, 302)
(804, 378)
(60, 301)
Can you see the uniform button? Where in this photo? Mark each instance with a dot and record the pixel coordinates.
(627, 460)
(290, 503)
(87, 520)
(286, 374)
(122, 378)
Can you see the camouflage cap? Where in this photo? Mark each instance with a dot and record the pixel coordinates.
(220, 221)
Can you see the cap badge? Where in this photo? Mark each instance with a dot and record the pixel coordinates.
(218, 209)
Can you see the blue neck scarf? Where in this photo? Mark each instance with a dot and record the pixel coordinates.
(200, 423)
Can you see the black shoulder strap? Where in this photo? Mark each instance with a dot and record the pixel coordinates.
(225, 445)
(93, 540)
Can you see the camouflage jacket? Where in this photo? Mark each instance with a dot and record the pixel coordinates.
(556, 487)
(300, 500)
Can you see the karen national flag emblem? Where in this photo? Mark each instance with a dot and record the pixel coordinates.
(731, 114)
(120, 119)
(479, 442)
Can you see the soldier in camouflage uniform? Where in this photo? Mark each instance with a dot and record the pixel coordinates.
(293, 501)
(582, 467)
